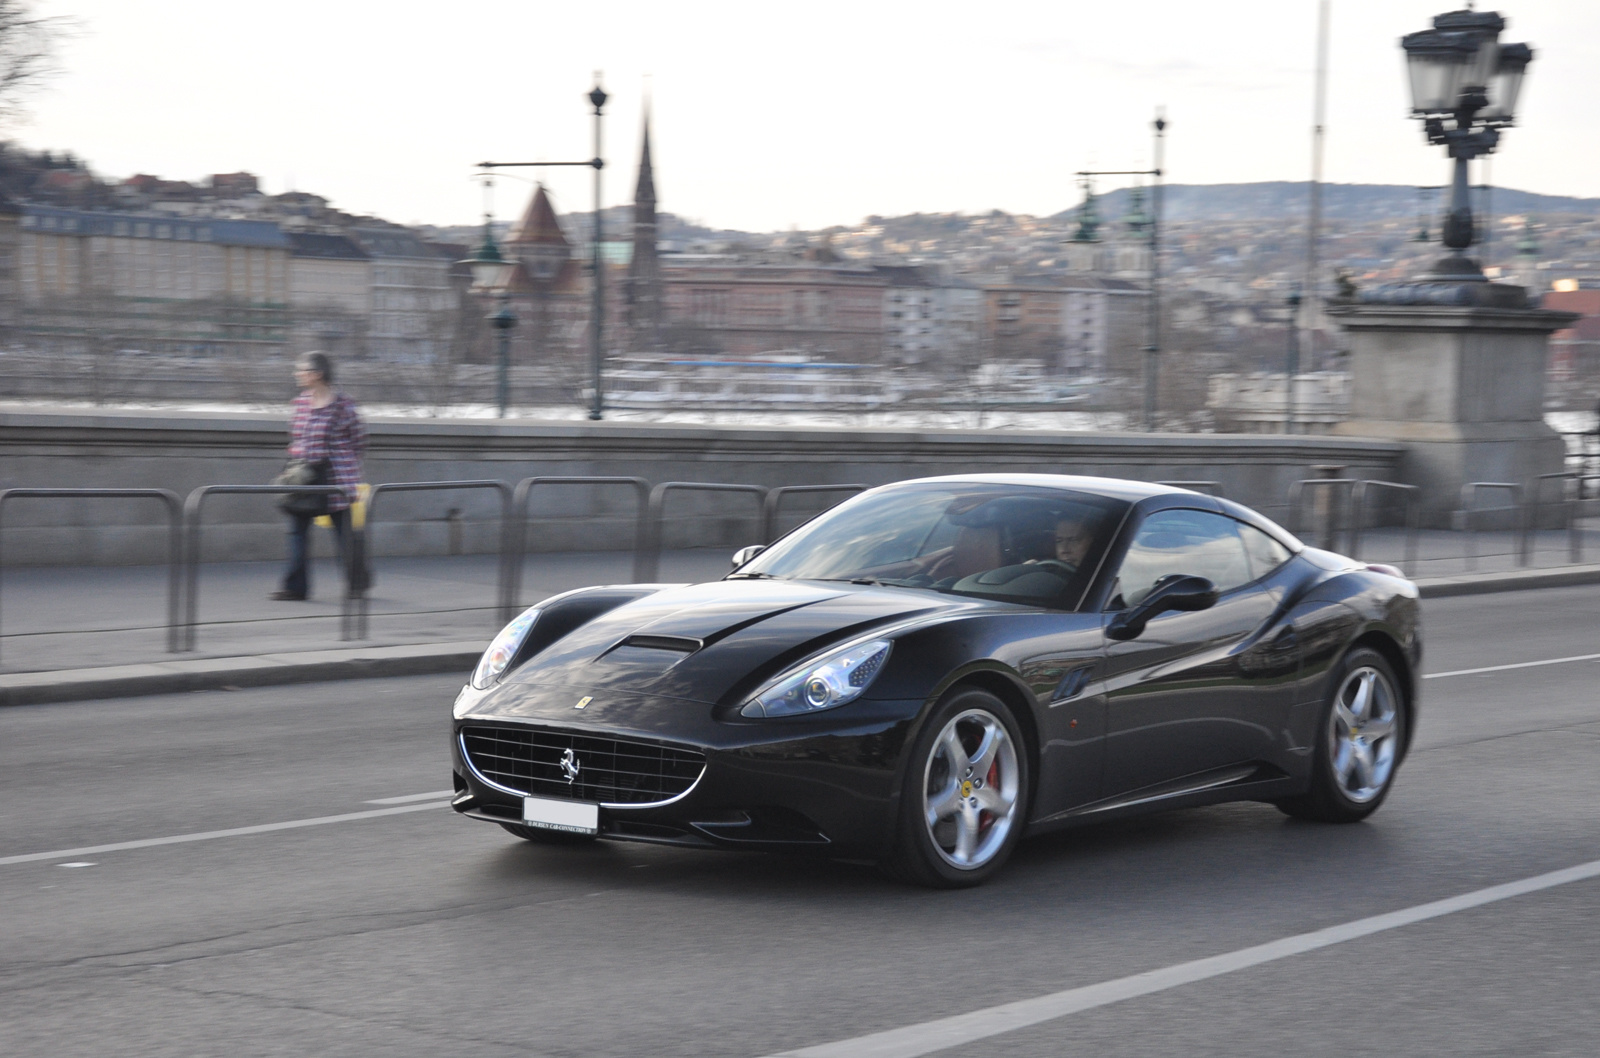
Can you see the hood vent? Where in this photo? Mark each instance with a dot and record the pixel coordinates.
(681, 644)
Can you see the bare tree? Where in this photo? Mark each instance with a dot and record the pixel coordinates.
(27, 52)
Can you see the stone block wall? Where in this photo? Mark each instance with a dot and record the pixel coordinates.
(182, 452)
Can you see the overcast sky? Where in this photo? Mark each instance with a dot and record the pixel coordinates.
(768, 115)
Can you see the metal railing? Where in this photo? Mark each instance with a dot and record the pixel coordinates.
(1412, 496)
(1568, 503)
(1469, 495)
(1211, 488)
(363, 604)
(651, 566)
(519, 513)
(192, 509)
(174, 535)
(774, 498)
(1338, 498)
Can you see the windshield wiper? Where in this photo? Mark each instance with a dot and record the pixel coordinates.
(751, 576)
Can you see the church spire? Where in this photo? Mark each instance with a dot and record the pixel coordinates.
(644, 287)
(644, 193)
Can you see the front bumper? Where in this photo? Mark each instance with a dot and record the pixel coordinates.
(826, 783)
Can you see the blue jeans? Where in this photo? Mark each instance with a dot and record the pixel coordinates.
(297, 579)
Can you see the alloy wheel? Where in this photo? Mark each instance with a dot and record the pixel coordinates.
(971, 789)
(1364, 734)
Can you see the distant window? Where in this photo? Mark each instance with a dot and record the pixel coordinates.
(163, 231)
(141, 231)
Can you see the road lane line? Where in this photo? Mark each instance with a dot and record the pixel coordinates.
(408, 798)
(1518, 665)
(209, 835)
(911, 1041)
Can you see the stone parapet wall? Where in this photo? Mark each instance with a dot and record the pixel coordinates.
(137, 449)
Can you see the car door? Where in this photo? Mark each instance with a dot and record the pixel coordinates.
(1184, 697)
(1063, 664)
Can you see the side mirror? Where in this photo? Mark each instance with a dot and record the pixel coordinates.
(1178, 591)
(745, 554)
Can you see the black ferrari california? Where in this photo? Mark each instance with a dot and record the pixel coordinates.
(928, 672)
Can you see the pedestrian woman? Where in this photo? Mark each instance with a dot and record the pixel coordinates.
(326, 432)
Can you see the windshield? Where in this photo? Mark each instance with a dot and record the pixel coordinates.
(1016, 543)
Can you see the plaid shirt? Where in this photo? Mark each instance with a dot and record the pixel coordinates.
(334, 433)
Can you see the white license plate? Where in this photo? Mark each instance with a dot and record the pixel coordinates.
(574, 817)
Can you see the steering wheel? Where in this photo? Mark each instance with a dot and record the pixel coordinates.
(1057, 566)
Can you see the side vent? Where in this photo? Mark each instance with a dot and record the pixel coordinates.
(1072, 684)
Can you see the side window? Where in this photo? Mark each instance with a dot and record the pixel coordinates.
(1266, 554)
(1197, 543)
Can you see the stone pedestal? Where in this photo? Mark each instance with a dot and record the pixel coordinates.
(1460, 385)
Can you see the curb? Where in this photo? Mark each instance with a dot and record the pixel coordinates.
(1509, 580)
(211, 674)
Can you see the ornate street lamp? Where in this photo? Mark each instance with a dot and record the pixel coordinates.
(490, 269)
(1464, 89)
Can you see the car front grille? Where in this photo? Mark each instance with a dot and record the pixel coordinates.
(609, 770)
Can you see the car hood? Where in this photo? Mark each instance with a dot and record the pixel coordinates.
(704, 642)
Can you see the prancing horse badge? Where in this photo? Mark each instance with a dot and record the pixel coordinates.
(583, 702)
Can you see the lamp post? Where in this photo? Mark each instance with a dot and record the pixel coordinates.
(597, 97)
(491, 273)
(1152, 347)
(1464, 88)
(1291, 361)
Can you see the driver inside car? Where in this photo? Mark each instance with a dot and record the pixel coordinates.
(1072, 541)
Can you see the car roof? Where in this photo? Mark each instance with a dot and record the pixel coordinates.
(1115, 488)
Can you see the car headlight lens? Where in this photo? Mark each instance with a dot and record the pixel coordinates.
(503, 649)
(821, 683)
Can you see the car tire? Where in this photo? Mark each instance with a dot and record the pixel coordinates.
(964, 801)
(547, 837)
(1360, 742)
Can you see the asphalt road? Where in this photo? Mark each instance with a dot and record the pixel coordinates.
(419, 933)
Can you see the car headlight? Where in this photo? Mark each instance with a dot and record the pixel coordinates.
(503, 649)
(821, 683)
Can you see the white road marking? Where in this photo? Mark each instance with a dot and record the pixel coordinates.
(80, 863)
(408, 798)
(1518, 665)
(930, 1036)
(209, 835)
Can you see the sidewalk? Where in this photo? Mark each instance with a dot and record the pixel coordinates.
(80, 632)
(76, 633)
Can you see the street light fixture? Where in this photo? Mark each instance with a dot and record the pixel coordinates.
(1464, 89)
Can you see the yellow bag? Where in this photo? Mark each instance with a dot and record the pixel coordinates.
(358, 510)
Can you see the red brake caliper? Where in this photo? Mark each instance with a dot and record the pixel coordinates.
(990, 780)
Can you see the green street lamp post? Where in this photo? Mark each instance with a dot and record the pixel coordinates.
(1152, 347)
(491, 274)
